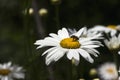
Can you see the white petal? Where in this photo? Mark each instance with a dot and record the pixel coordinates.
(51, 39)
(85, 31)
(91, 52)
(119, 52)
(51, 53)
(49, 50)
(106, 42)
(39, 47)
(73, 54)
(38, 42)
(17, 68)
(19, 75)
(48, 62)
(45, 43)
(84, 40)
(80, 32)
(94, 50)
(119, 37)
(51, 57)
(55, 36)
(5, 78)
(8, 64)
(72, 31)
(1, 66)
(76, 55)
(60, 53)
(70, 54)
(4, 66)
(63, 33)
(86, 55)
(90, 46)
(113, 32)
(91, 42)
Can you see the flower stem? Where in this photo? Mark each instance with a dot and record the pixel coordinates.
(27, 38)
(115, 56)
(74, 71)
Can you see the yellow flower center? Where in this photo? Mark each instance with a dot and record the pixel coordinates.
(70, 43)
(4, 72)
(110, 70)
(112, 27)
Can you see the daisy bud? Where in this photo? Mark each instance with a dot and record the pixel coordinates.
(93, 72)
(55, 2)
(81, 79)
(96, 79)
(43, 12)
(31, 11)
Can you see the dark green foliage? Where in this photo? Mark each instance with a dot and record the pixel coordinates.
(18, 32)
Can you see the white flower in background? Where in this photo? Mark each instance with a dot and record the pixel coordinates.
(113, 44)
(108, 71)
(86, 33)
(71, 45)
(110, 28)
(119, 73)
(9, 72)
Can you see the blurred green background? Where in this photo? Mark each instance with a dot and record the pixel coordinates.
(19, 29)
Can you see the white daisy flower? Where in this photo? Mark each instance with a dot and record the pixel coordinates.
(113, 44)
(110, 28)
(71, 45)
(108, 71)
(9, 72)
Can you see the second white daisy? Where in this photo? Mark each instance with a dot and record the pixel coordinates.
(108, 71)
(113, 44)
(9, 72)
